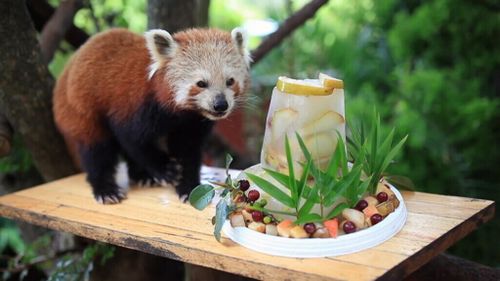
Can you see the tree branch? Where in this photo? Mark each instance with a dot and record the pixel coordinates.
(41, 12)
(288, 26)
(53, 32)
(5, 136)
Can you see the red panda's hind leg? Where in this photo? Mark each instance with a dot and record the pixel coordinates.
(100, 160)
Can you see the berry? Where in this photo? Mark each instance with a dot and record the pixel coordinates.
(349, 227)
(253, 195)
(244, 185)
(376, 218)
(257, 216)
(362, 204)
(267, 219)
(382, 197)
(309, 228)
(240, 198)
(262, 202)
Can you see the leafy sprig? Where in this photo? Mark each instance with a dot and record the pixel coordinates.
(337, 182)
(376, 152)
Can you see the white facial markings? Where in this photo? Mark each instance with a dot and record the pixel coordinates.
(212, 62)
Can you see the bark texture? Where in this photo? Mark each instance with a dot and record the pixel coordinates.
(5, 136)
(175, 15)
(26, 92)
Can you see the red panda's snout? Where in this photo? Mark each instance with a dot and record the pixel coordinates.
(206, 69)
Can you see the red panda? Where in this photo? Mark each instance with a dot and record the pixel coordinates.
(150, 100)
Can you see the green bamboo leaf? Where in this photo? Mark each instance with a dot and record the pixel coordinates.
(303, 147)
(337, 210)
(374, 138)
(392, 154)
(342, 186)
(306, 208)
(383, 150)
(221, 213)
(272, 190)
(201, 196)
(291, 181)
(283, 179)
(308, 218)
(229, 160)
(343, 156)
(303, 179)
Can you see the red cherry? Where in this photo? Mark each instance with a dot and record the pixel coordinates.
(244, 185)
(376, 218)
(253, 195)
(257, 216)
(362, 204)
(309, 228)
(349, 227)
(382, 197)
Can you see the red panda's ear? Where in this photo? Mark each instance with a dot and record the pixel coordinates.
(161, 46)
(239, 36)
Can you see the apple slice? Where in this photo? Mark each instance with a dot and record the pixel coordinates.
(326, 123)
(330, 82)
(321, 145)
(282, 120)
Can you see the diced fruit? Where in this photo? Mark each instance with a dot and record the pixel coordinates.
(284, 228)
(349, 227)
(376, 218)
(382, 197)
(298, 232)
(253, 195)
(321, 145)
(257, 216)
(330, 82)
(395, 202)
(302, 87)
(382, 187)
(247, 216)
(332, 226)
(385, 208)
(237, 220)
(282, 120)
(309, 228)
(362, 204)
(244, 185)
(271, 229)
(321, 233)
(370, 211)
(355, 216)
(372, 201)
(267, 219)
(257, 226)
(326, 123)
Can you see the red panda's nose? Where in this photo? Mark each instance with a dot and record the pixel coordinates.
(220, 103)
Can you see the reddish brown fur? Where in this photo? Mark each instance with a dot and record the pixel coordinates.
(107, 77)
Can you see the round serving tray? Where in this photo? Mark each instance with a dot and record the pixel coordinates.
(321, 247)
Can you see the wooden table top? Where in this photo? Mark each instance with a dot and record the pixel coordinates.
(154, 221)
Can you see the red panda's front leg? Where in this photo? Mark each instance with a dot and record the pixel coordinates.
(99, 160)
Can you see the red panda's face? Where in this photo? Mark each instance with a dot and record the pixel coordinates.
(208, 71)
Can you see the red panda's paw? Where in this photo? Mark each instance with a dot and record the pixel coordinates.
(110, 195)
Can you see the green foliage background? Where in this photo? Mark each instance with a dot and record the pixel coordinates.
(430, 67)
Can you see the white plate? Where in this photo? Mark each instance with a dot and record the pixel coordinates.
(321, 247)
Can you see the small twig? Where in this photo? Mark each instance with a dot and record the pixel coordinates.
(288, 26)
(6, 132)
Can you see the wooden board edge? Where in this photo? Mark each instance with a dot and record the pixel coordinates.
(138, 243)
(439, 245)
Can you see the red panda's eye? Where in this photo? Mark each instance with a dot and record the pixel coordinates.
(229, 82)
(201, 84)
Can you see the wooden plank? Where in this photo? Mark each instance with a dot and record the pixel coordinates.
(153, 220)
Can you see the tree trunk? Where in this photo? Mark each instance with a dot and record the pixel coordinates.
(175, 15)
(26, 92)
